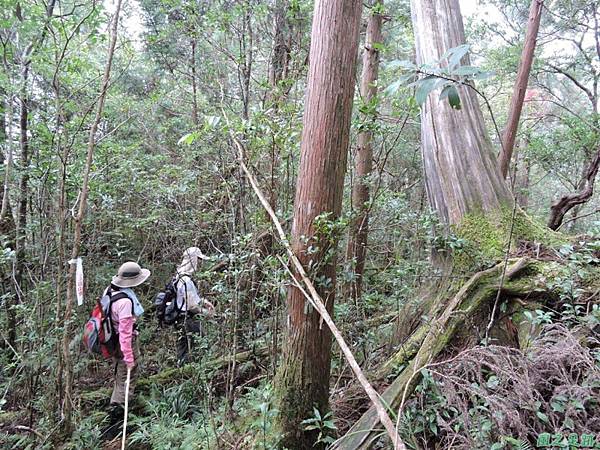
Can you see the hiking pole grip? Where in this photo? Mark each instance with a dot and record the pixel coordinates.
(126, 408)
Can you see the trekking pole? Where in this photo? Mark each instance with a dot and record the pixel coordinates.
(126, 408)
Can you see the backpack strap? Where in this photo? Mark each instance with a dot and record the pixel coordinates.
(177, 278)
(115, 297)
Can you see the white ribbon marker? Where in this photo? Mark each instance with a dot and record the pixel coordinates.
(78, 279)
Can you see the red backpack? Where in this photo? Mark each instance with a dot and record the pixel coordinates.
(98, 334)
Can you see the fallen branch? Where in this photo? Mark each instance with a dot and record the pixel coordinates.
(315, 300)
(29, 430)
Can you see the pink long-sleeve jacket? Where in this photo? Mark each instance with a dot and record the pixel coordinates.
(123, 320)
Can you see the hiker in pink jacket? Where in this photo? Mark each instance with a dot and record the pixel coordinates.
(124, 308)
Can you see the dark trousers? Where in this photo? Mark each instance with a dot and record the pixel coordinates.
(187, 327)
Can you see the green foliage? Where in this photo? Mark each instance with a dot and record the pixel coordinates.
(261, 401)
(423, 419)
(173, 418)
(323, 424)
(445, 74)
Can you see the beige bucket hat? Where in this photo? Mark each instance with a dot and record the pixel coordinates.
(130, 274)
(189, 263)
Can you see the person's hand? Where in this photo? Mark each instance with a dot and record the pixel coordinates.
(209, 307)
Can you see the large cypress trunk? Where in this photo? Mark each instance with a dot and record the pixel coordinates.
(465, 187)
(461, 171)
(303, 378)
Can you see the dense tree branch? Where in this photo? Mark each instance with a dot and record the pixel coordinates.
(560, 208)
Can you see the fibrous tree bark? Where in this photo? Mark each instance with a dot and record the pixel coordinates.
(303, 377)
(516, 102)
(359, 229)
(461, 171)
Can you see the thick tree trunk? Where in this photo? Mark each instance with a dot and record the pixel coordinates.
(461, 171)
(303, 378)
(516, 102)
(359, 230)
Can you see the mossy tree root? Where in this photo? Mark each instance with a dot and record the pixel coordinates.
(521, 280)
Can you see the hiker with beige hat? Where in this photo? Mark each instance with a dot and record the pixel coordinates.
(124, 308)
(189, 303)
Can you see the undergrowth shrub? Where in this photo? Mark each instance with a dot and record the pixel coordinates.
(501, 398)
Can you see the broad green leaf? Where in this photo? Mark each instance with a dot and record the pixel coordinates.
(317, 414)
(425, 86)
(543, 417)
(455, 55)
(466, 71)
(392, 88)
(378, 46)
(451, 93)
(569, 424)
(187, 139)
(454, 98)
(557, 407)
(483, 75)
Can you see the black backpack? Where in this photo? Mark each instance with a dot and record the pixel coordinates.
(167, 308)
